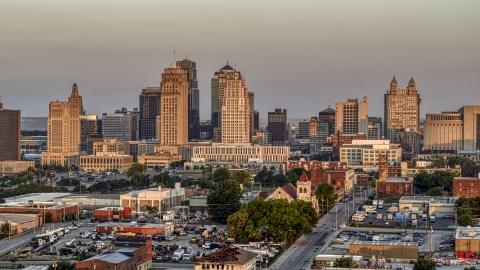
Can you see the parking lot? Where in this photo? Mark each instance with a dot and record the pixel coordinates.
(439, 224)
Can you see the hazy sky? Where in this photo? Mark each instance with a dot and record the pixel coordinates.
(297, 55)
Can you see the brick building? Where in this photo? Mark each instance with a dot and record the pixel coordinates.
(228, 258)
(112, 213)
(10, 134)
(58, 211)
(131, 252)
(466, 187)
(395, 187)
(312, 164)
(339, 139)
(340, 179)
(362, 179)
(138, 228)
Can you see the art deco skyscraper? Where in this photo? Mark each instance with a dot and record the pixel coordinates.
(402, 110)
(193, 98)
(64, 131)
(219, 82)
(235, 112)
(173, 120)
(9, 134)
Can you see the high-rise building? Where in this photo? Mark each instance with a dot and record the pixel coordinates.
(256, 120)
(10, 125)
(193, 98)
(443, 131)
(149, 110)
(88, 127)
(319, 131)
(64, 131)
(471, 127)
(219, 82)
(235, 112)
(277, 126)
(402, 110)
(121, 125)
(206, 131)
(328, 115)
(251, 105)
(351, 117)
(304, 129)
(174, 101)
(374, 128)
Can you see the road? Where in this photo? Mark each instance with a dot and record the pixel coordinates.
(301, 254)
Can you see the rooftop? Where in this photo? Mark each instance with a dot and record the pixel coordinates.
(467, 232)
(144, 225)
(466, 178)
(434, 199)
(114, 257)
(111, 208)
(232, 255)
(36, 197)
(17, 218)
(390, 243)
(400, 180)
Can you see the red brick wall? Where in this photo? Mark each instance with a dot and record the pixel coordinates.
(136, 230)
(362, 179)
(466, 187)
(107, 215)
(393, 189)
(57, 214)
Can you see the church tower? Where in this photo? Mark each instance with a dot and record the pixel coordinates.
(304, 188)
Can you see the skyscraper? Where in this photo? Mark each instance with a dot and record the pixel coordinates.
(121, 125)
(471, 127)
(374, 128)
(193, 98)
(351, 117)
(236, 112)
(149, 110)
(88, 127)
(328, 115)
(402, 110)
(10, 125)
(174, 101)
(251, 105)
(319, 131)
(277, 126)
(219, 82)
(64, 131)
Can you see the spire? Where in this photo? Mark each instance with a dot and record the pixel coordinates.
(74, 90)
(394, 80)
(303, 178)
(411, 80)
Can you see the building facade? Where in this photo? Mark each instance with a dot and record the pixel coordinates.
(190, 68)
(328, 115)
(402, 110)
(158, 197)
(174, 103)
(122, 125)
(88, 127)
(351, 117)
(374, 128)
(339, 139)
(150, 106)
(443, 131)
(10, 125)
(241, 153)
(466, 187)
(105, 163)
(304, 129)
(367, 152)
(64, 132)
(277, 126)
(218, 84)
(319, 131)
(395, 187)
(471, 127)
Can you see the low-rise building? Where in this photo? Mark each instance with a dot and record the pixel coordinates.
(159, 159)
(20, 223)
(395, 187)
(362, 179)
(466, 187)
(339, 139)
(432, 205)
(241, 152)
(14, 167)
(309, 165)
(48, 211)
(391, 250)
(367, 152)
(467, 240)
(164, 229)
(195, 191)
(131, 252)
(322, 261)
(233, 258)
(105, 163)
(114, 214)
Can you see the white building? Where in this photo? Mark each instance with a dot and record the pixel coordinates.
(240, 152)
(366, 152)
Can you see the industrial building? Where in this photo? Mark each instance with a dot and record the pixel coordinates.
(393, 250)
(435, 206)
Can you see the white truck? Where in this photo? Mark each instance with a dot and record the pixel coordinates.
(379, 216)
(380, 204)
(358, 218)
(187, 256)
(392, 209)
(390, 217)
(178, 255)
(432, 219)
(375, 203)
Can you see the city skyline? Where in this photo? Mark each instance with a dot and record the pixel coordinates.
(353, 50)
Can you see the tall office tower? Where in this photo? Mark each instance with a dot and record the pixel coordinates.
(256, 120)
(374, 128)
(121, 125)
(319, 131)
(351, 117)
(443, 131)
(235, 112)
(193, 98)
(251, 104)
(402, 110)
(219, 82)
(471, 127)
(88, 127)
(63, 132)
(174, 114)
(149, 110)
(75, 98)
(304, 129)
(277, 125)
(10, 125)
(328, 115)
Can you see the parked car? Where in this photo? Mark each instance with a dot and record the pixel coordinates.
(169, 238)
(103, 236)
(111, 236)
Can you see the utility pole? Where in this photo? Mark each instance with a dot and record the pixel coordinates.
(336, 218)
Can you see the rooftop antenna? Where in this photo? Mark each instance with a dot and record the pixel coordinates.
(174, 63)
(186, 56)
(329, 106)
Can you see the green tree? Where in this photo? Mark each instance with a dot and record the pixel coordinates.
(423, 264)
(242, 177)
(470, 268)
(151, 209)
(345, 262)
(82, 188)
(224, 201)
(221, 174)
(435, 191)
(326, 193)
(48, 217)
(467, 165)
(236, 226)
(187, 168)
(5, 228)
(62, 265)
(136, 171)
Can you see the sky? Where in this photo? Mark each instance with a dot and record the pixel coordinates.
(297, 55)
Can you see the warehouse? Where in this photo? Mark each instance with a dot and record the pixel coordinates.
(390, 250)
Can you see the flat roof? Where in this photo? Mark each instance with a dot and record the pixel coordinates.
(467, 232)
(466, 178)
(432, 199)
(17, 218)
(111, 208)
(36, 197)
(87, 196)
(390, 243)
(134, 225)
(114, 257)
(400, 179)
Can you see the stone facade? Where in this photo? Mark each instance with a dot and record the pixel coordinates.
(351, 117)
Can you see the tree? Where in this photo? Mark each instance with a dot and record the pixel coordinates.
(242, 177)
(435, 191)
(236, 225)
(470, 268)
(82, 188)
(345, 262)
(467, 165)
(444, 179)
(48, 217)
(151, 209)
(136, 171)
(224, 201)
(221, 174)
(423, 264)
(326, 193)
(62, 265)
(5, 228)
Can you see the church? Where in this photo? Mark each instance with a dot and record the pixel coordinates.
(303, 191)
